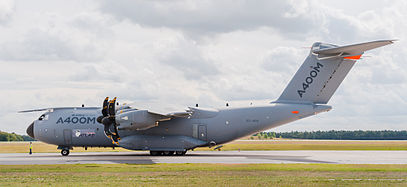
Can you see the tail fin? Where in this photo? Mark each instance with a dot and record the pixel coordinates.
(323, 71)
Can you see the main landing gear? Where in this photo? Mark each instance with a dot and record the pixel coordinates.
(167, 153)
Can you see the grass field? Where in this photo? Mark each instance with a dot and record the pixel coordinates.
(211, 174)
(39, 147)
(204, 175)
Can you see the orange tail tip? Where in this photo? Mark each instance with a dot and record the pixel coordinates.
(357, 57)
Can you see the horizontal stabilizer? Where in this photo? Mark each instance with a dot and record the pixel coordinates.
(354, 49)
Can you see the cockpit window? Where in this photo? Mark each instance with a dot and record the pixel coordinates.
(43, 117)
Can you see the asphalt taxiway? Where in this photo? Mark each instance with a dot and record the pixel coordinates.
(227, 157)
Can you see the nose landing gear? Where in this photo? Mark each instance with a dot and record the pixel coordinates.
(65, 152)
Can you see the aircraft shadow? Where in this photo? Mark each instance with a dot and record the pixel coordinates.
(145, 158)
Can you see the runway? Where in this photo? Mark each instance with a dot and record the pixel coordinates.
(226, 157)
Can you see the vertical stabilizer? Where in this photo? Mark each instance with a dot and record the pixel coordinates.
(323, 71)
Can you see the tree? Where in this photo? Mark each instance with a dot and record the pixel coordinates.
(4, 136)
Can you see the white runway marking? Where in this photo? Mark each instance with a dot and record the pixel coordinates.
(228, 157)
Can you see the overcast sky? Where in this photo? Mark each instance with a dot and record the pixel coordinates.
(173, 54)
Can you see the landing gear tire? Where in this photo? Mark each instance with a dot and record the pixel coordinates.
(168, 153)
(155, 153)
(162, 153)
(180, 153)
(65, 152)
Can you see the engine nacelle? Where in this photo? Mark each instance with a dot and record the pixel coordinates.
(137, 120)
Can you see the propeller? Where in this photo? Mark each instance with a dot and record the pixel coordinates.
(109, 120)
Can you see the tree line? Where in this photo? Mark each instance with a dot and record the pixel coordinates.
(335, 135)
(4, 136)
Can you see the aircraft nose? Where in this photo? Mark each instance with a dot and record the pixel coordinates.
(30, 130)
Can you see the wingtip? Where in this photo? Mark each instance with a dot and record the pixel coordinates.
(393, 40)
(34, 110)
(389, 41)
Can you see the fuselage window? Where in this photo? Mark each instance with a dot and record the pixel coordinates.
(43, 117)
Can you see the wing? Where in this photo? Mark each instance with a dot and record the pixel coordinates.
(34, 110)
(56, 108)
(139, 119)
(142, 119)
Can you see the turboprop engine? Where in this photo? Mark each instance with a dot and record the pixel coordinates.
(127, 118)
(138, 120)
(108, 119)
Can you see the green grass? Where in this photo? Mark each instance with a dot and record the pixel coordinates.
(204, 175)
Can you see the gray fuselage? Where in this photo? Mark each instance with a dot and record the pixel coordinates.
(70, 127)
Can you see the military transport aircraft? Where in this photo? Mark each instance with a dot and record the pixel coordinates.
(172, 133)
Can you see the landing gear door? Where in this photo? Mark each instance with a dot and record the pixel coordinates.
(199, 131)
(67, 136)
(202, 132)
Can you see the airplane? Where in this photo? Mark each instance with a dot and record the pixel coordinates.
(166, 134)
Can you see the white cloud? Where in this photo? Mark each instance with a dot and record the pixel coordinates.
(208, 17)
(6, 10)
(43, 45)
(186, 56)
(283, 59)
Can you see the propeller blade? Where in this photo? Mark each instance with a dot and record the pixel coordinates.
(105, 104)
(111, 107)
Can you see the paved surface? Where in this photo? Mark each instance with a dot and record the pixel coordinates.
(334, 157)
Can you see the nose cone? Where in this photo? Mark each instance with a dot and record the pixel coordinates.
(30, 130)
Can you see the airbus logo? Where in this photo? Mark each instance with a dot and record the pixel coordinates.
(77, 133)
(83, 133)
